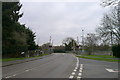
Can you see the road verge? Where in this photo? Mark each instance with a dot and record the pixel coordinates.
(99, 58)
(22, 60)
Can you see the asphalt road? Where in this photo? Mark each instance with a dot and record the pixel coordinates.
(62, 65)
(54, 66)
(99, 69)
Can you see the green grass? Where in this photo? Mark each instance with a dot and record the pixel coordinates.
(12, 59)
(99, 57)
(102, 56)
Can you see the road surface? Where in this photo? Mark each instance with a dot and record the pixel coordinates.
(62, 65)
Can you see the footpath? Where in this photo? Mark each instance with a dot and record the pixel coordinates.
(8, 63)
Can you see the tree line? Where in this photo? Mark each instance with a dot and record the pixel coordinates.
(16, 37)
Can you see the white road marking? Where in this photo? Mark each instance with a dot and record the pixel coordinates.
(8, 77)
(111, 70)
(80, 74)
(80, 70)
(81, 65)
(73, 73)
(76, 67)
(11, 76)
(27, 70)
(75, 70)
(18, 74)
(78, 77)
(71, 77)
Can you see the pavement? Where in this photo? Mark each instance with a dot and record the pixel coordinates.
(8, 63)
(62, 65)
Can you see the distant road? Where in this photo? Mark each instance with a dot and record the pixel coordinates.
(62, 65)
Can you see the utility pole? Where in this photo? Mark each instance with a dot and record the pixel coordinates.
(50, 45)
(82, 40)
(77, 40)
(50, 40)
(77, 45)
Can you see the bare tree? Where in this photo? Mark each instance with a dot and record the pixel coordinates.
(91, 40)
(70, 43)
(109, 2)
(46, 48)
(110, 27)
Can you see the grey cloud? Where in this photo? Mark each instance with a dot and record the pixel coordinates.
(61, 20)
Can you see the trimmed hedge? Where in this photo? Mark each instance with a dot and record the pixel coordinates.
(116, 51)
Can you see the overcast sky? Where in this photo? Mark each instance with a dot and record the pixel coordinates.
(61, 19)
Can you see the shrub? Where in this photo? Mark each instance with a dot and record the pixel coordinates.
(116, 51)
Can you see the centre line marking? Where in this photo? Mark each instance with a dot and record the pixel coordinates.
(76, 67)
(8, 77)
(13, 75)
(27, 70)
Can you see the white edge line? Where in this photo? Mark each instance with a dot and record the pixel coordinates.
(71, 77)
(78, 77)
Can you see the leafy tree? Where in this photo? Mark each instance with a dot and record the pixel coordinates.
(30, 39)
(15, 37)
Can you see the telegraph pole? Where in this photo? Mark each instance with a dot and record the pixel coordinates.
(50, 40)
(77, 40)
(50, 44)
(77, 45)
(82, 40)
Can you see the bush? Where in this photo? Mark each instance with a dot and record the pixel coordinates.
(116, 51)
(59, 51)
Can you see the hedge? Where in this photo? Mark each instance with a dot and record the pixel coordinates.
(116, 51)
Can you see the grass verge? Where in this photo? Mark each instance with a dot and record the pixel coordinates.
(100, 58)
(12, 59)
